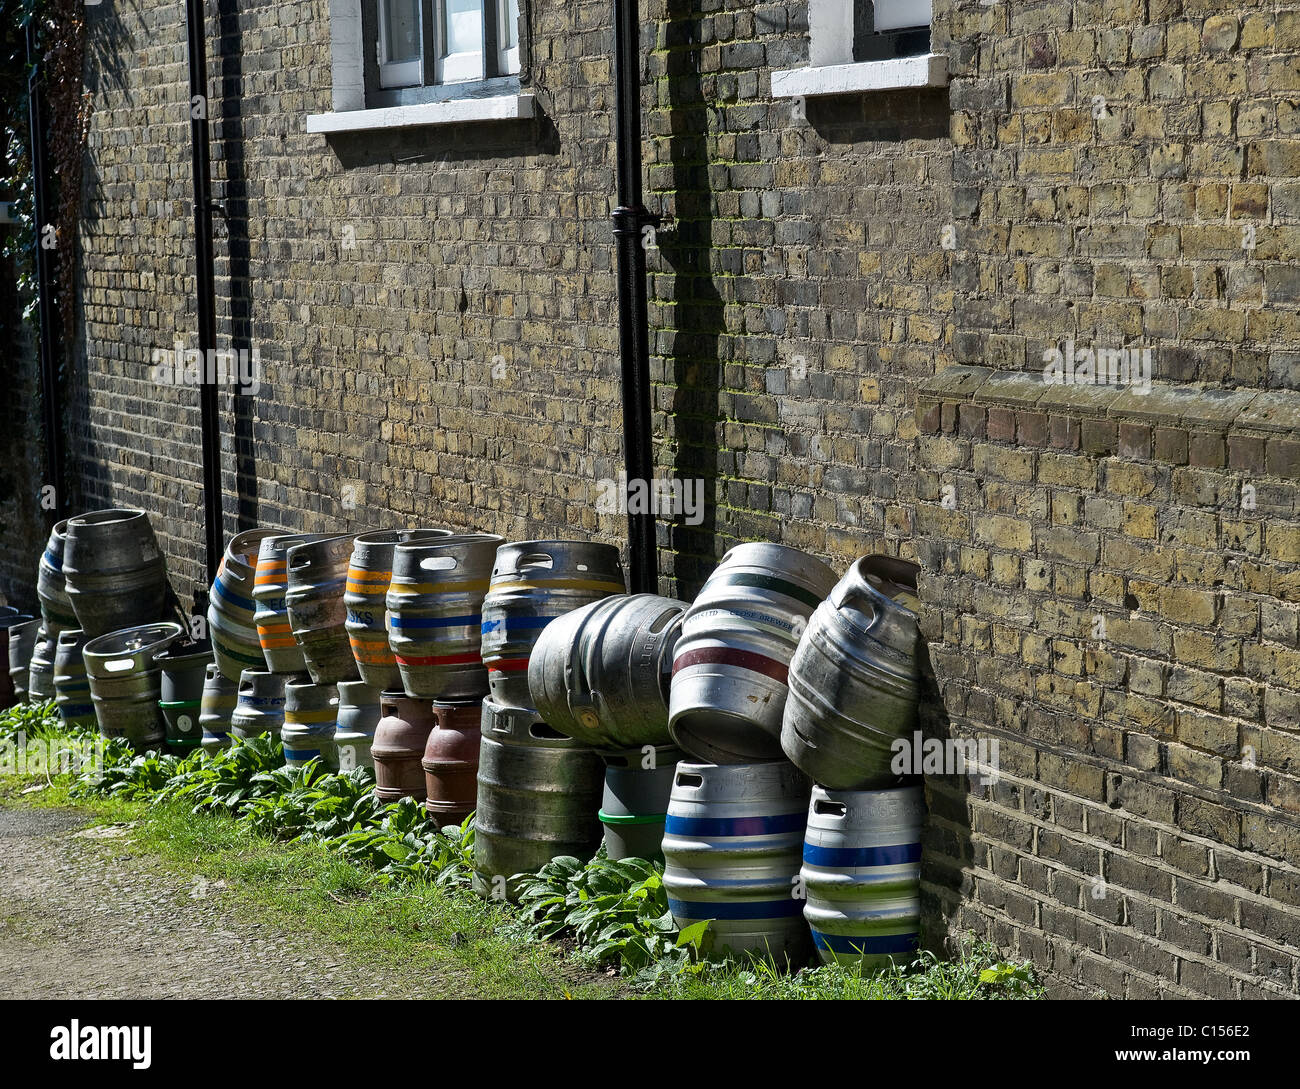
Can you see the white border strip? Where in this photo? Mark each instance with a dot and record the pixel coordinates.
(451, 112)
(927, 70)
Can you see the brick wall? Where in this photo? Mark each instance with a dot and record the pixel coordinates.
(1114, 573)
(840, 312)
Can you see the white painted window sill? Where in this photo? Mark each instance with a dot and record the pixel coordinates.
(927, 70)
(452, 112)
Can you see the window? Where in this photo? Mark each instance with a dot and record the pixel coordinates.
(865, 45)
(890, 28)
(431, 43)
(398, 64)
(400, 32)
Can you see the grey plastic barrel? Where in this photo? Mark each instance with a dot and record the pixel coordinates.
(51, 589)
(216, 706)
(634, 806)
(601, 673)
(40, 671)
(71, 685)
(365, 597)
(538, 798)
(357, 718)
(180, 695)
(271, 615)
(317, 574)
(862, 874)
(311, 714)
(22, 641)
(854, 679)
(126, 680)
(729, 666)
(232, 624)
(259, 708)
(533, 582)
(435, 606)
(114, 571)
(732, 848)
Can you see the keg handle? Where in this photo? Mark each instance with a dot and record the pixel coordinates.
(118, 665)
(580, 696)
(862, 603)
(827, 808)
(689, 779)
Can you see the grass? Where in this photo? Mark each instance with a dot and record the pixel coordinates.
(419, 938)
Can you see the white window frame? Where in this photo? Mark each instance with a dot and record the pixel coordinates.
(350, 110)
(508, 58)
(408, 73)
(462, 67)
(831, 68)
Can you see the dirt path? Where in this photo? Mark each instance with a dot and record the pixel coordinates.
(84, 916)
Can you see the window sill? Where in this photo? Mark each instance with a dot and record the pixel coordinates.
(927, 70)
(454, 111)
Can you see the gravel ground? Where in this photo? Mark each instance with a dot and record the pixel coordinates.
(82, 916)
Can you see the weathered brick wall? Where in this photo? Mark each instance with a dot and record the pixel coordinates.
(1115, 574)
(457, 366)
(801, 293)
(22, 528)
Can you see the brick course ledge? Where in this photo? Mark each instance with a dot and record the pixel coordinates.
(1251, 430)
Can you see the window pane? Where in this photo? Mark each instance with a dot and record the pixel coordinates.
(508, 31)
(402, 30)
(464, 23)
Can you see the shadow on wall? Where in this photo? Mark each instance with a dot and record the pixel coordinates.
(86, 466)
(234, 202)
(690, 348)
(947, 851)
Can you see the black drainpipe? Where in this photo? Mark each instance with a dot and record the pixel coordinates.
(205, 280)
(630, 219)
(51, 406)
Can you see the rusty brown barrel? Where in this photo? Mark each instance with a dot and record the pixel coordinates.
(731, 662)
(180, 697)
(22, 640)
(71, 685)
(357, 721)
(40, 671)
(232, 624)
(435, 606)
(398, 748)
(51, 589)
(451, 761)
(126, 679)
(370, 570)
(311, 714)
(259, 708)
(538, 798)
(271, 615)
(114, 571)
(216, 706)
(317, 574)
(533, 582)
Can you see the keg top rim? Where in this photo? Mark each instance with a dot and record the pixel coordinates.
(881, 567)
(402, 536)
(108, 514)
(452, 540)
(116, 643)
